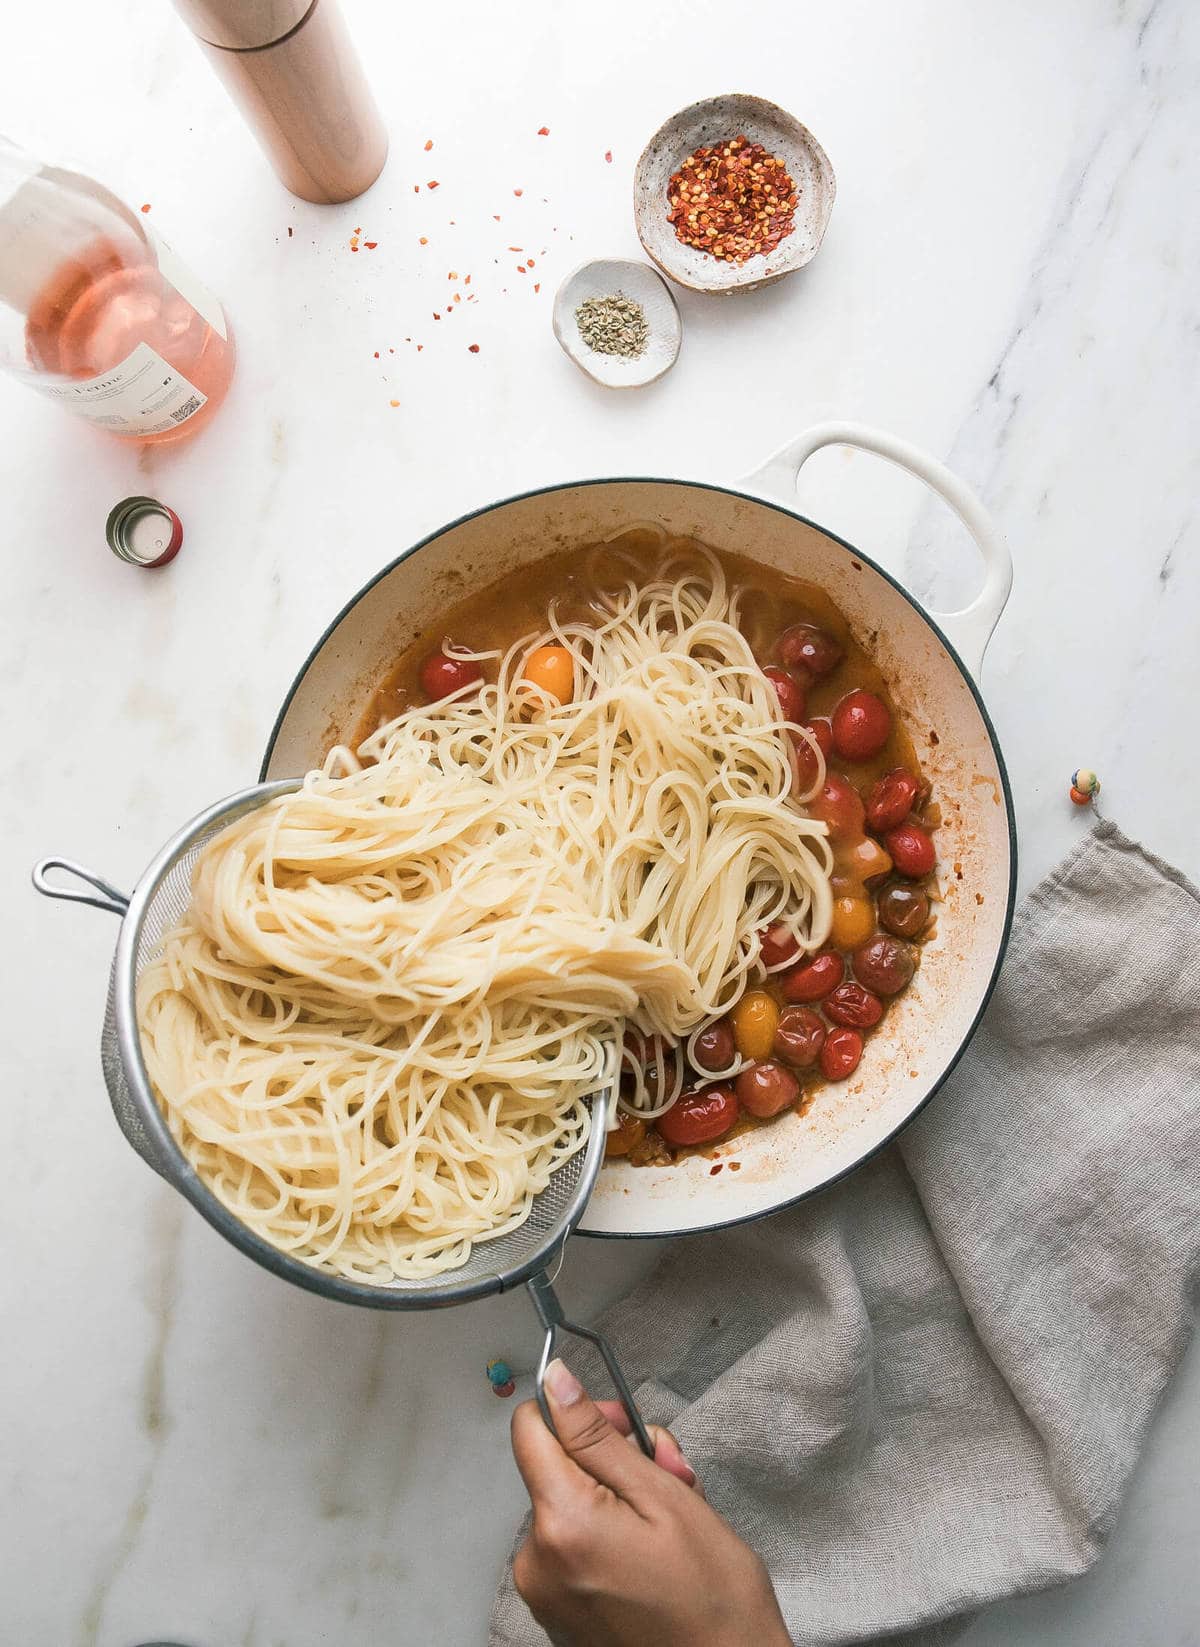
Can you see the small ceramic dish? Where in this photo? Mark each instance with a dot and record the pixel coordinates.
(615, 277)
(710, 121)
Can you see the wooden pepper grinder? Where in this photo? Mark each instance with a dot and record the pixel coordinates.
(292, 70)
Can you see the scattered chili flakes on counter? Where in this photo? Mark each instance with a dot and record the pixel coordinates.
(537, 285)
(393, 403)
(289, 234)
(370, 244)
(472, 348)
(423, 241)
(733, 200)
(543, 131)
(146, 207)
(428, 144)
(518, 193)
(608, 157)
(433, 184)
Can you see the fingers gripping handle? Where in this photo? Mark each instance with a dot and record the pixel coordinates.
(968, 629)
(550, 1314)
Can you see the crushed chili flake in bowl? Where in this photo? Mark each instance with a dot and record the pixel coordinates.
(732, 193)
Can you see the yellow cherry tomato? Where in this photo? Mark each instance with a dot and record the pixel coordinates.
(754, 1021)
(553, 669)
(867, 859)
(629, 1130)
(853, 922)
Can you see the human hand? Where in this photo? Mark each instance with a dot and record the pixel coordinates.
(624, 1552)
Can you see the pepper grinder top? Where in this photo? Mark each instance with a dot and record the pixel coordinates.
(292, 69)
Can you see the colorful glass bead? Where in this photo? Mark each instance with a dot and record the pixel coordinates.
(500, 1377)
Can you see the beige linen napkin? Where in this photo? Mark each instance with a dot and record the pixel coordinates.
(926, 1389)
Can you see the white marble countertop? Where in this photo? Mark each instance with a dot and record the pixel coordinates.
(192, 1449)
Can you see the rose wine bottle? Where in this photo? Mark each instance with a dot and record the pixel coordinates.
(97, 312)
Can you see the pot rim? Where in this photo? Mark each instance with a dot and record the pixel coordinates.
(1006, 789)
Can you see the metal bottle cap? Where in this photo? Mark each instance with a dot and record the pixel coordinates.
(144, 532)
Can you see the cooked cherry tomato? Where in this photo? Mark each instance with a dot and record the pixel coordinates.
(813, 980)
(861, 725)
(912, 850)
(699, 1117)
(840, 1055)
(840, 806)
(822, 731)
(713, 1048)
(442, 674)
(629, 1130)
(791, 695)
(766, 1089)
(806, 646)
(865, 860)
(903, 910)
(776, 944)
(853, 922)
(800, 1036)
(891, 799)
(851, 1004)
(753, 1022)
(553, 669)
(884, 964)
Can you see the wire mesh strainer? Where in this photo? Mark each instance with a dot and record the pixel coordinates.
(523, 1255)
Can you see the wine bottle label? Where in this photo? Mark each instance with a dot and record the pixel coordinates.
(189, 288)
(143, 395)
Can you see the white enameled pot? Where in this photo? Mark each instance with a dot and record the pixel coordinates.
(931, 661)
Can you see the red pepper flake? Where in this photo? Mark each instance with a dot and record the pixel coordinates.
(423, 241)
(146, 207)
(713, 1171)
(608, 157)
(495, 217)
(472, 348)
(393, 403)
(377, 354)
(370, 244)
(432, 185)
(516, 248)
(734, 200)
(428, 144)
(467, 280)
(520, 268)
(458, 297)
(289, 234)
(735, 1166)
(453, 275)
(529, 263)
(437, 317)
(416, 188)
(518, 193)
(420, 346)
(537, 285)
(543, 131)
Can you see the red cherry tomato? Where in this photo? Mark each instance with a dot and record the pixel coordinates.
(840, 1055)
(776, 944)
(814, 979)
(884, 965)
(891, 799)
(441, 675)
(805, 646)
(699, 1117)
(791, 695)
(822, 731)
(851, 1004)
(713, 1048)
(806, 761)
(799, 1037)
(861, 725)
(839, 805)
(904, 910)
(766, 1089)
(912, 850)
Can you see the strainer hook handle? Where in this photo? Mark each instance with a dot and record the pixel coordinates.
(551, 1315)
(102, 896)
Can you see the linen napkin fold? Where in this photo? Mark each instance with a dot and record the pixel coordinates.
(925, 1390)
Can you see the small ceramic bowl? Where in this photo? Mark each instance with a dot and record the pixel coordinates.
(710, 121)
(615, 277)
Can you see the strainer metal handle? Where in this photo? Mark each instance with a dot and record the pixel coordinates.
(102, 896)
(550, 1314)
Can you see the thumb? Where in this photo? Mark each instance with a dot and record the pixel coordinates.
(587, 1437)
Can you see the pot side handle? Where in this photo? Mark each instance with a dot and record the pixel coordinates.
(970, 628)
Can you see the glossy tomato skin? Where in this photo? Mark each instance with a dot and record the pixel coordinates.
(699, 1117)
(862, 724)
(854, 1006)
(884, 965)
(776, 944)
(903, 910)
(713, 1048)
(839, 805)
(792, 697)
(442, 674)
(891, 800)
(822, 731)
(799, 1036)
(766, 1089)
(912, 850)
(629, 1131)
(807, 646)
(813, 980)
(841, 1053)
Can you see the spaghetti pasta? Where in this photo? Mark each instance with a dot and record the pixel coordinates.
(374, 1031)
